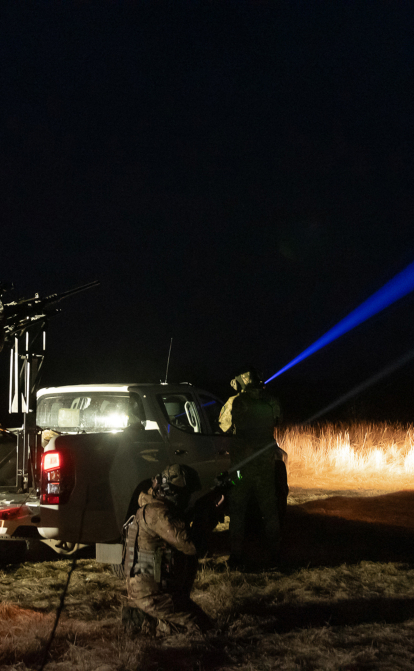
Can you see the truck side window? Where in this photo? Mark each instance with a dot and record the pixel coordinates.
(211, 407)
(181, 411)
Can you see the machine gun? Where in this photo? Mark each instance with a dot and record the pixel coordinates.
(25, 313)
(21, 323)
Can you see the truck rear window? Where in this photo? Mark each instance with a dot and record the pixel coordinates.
(77, 412)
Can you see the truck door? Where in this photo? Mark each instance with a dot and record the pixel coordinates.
(211, 407)
(188, 439)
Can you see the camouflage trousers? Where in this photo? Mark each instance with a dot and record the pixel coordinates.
(172, 609)
(259, 483)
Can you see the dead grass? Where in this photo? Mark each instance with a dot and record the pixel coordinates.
(356, 456)
(342, 598)
(344, 617)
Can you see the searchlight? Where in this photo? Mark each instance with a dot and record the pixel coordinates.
(399, 286)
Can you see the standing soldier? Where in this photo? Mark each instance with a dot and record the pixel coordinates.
(161, 561)
(251, 415)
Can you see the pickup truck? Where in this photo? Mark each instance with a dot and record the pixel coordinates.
(107, 443)
(113, 440)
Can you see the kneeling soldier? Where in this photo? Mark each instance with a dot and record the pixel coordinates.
(161, 562)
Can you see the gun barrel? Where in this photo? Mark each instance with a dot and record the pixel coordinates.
(54, 298)
(19, 316)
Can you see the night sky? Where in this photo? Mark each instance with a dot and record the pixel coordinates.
(237, 174)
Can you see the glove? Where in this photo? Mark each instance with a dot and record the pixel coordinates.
(222, 480)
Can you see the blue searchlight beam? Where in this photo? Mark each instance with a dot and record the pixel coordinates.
(400, 285)
(395, 365)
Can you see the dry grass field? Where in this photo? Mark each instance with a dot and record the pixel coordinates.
(357, 456)
(342, 598)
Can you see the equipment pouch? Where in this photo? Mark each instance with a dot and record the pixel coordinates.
(158, 555)
(131, 537)
(149, 563)
(145, 563)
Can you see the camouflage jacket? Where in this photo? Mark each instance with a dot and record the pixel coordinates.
(251, 414)
(158, 525)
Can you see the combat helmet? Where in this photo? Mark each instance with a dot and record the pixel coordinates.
(248, 378)
(176, 484)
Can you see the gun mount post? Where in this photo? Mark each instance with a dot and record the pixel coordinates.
(24, 373)
(27, 319)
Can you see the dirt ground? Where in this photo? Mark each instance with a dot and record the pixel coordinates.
(341, 599)
(347, 527)
(330, 527)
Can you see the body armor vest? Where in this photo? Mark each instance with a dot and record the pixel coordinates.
(146, 553)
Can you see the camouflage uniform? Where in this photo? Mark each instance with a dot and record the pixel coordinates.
(252, 415)
(164, 568)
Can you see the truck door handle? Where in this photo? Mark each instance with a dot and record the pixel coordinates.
(178, 453)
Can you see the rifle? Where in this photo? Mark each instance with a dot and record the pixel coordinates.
(224, 479)
(19, 316)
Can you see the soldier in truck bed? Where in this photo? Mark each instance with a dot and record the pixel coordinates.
(252, 415)
(161, 561)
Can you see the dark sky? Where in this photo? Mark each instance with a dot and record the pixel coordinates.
(238, 175)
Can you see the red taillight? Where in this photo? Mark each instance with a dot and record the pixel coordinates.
(57, 478)
(50, 499)
(51, 460)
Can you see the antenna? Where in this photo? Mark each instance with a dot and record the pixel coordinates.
(168, 361)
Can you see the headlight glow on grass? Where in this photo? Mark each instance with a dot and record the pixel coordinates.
(400, 285)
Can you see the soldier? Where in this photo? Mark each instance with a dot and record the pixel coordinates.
(161, 561)
(252, 415)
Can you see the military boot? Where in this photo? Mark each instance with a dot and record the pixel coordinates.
(134, 620)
